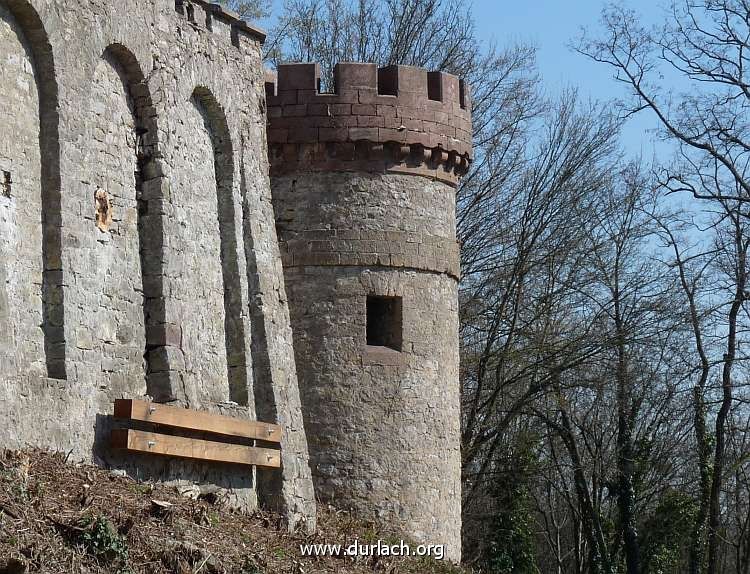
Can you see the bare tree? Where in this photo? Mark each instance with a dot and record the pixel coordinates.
(250, 9)
(704, 44)
(704, 47)
(692, 269)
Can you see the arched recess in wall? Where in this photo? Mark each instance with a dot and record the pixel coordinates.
(52, 300)
(216, 123)
(149, 185)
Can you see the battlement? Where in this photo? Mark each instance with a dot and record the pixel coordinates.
(216, 18)
(397, 119)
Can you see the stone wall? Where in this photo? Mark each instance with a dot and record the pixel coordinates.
(363, 182)
(21, 278)
(399, 119)
(137, 249)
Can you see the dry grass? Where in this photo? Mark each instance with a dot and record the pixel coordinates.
(57, 517)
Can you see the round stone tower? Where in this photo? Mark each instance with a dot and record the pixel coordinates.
(363, 183)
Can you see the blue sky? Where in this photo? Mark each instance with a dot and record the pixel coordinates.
(551, 25)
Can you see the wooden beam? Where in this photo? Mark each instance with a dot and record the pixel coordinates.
(195, 420)
(181, 447)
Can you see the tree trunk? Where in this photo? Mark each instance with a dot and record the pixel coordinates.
(714, 511)
(625, 450)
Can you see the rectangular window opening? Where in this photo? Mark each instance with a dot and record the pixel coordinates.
(7, 183)
(385, 322)
(191, 13)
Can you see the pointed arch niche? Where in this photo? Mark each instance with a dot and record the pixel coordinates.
(32, 316)
(126, 192)
(207, 290)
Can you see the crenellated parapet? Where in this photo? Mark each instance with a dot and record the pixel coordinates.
(218, 19)
(398, 119)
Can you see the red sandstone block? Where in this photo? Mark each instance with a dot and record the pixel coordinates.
(466, 99)
(270, 88)
(345, 121)
(367, 246)
(368, 259)
(283, 98)
(341, 109)
(386, 111)
(364, 109)
(463, 135)
(449, 131)
(333, 134)
(370, 121)
(370, 134)
(439, 140)
(278, 135)
(410, 79)
(355, 75)
(449, 88)
(312, 151)
(421, 138)
(348, 96)
(298, 77)
(320, 122)
(434, 105)
(433, 128)
(282, 122)
(391, 135)
(443, 118)
(412, 124)
(312, 96)
(412, 99)
(393, 123)
(296, 110)
(274, 112)
(318, 109)
(373, 97)
(275, 151)
(427, 115)
(303, 135)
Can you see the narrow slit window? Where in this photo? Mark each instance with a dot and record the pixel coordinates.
(7, 183)
(385, 322)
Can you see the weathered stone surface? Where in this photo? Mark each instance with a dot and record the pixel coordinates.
(363, 186)
(383, 425)
(139, 254)
(180, 296)
(398, 119)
